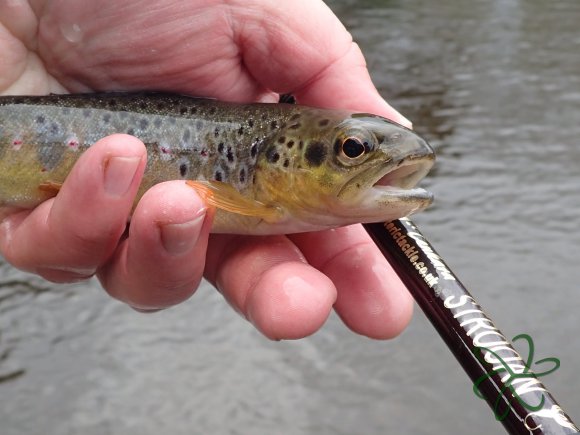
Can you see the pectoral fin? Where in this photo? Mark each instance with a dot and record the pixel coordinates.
(50, 187)
(223, 196)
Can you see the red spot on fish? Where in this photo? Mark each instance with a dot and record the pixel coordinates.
(16, 144)
(73, 144)
(43, 170)
(204, 152)
(165, 150)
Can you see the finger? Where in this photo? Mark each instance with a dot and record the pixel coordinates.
(371, 300)
(17, 27)
(346, 83)
(19, 19)
(310, 54)
(161, 262)
(66, 238)
(268, 281)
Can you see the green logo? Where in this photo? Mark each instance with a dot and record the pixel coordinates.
(514, 374)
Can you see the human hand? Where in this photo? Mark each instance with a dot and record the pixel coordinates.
(230, 50)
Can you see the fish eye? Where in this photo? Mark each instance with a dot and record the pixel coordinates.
(353, 148)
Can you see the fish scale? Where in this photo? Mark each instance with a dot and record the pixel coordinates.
(184, 149)
(268, 168)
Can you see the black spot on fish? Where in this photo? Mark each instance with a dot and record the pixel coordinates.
(106, 118)
(301, 145)
(216, 132)
(183, 110)
(281, 139)
(241, 131)
(212, 110)
(264, 116)
(290, 144)
(254, 149)
(131, 131)
(286, 163)
(295, 126)
(218, 176)
(272, 155)
(315, 153)
(192, 110)
(186, 135)
(160, 106)
(323, 122)
(274, 125)
(183, 170)
(142, 105)
(112, 102)
(143, 124)
(54, 128)
(199, 125)
(295, 117)
(157, 122)
(221, 147)
(40, 119)
(250, 123)
(230, 155)
(242, 175)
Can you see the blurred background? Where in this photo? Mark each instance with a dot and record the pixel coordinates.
(495, 86)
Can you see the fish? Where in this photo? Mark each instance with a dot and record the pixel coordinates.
(267, 168)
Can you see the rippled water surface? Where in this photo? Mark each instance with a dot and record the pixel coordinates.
(495, 86)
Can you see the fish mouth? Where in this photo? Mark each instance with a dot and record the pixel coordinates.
(401, 180)
(391, 192)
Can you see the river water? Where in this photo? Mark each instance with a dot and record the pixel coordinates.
(495, 86)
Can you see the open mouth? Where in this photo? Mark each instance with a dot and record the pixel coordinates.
(395, 181)
(392, 194)
(405, 177)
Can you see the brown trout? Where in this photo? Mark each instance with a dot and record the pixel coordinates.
(267, 168)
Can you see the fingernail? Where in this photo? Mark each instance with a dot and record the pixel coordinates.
(395, 115)
(147, 310)
(400, 119)
(404, 121)
(119, 174)
(180, 238)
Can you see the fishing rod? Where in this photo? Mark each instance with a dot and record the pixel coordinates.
(500, 375)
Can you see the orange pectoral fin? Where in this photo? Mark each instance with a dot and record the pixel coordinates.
(225, 197)
(50, 188)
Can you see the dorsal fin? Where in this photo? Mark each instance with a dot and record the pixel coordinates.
(287, 99)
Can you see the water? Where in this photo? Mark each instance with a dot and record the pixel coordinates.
(495, 86)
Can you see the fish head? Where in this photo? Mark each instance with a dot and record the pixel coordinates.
(356, 168)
